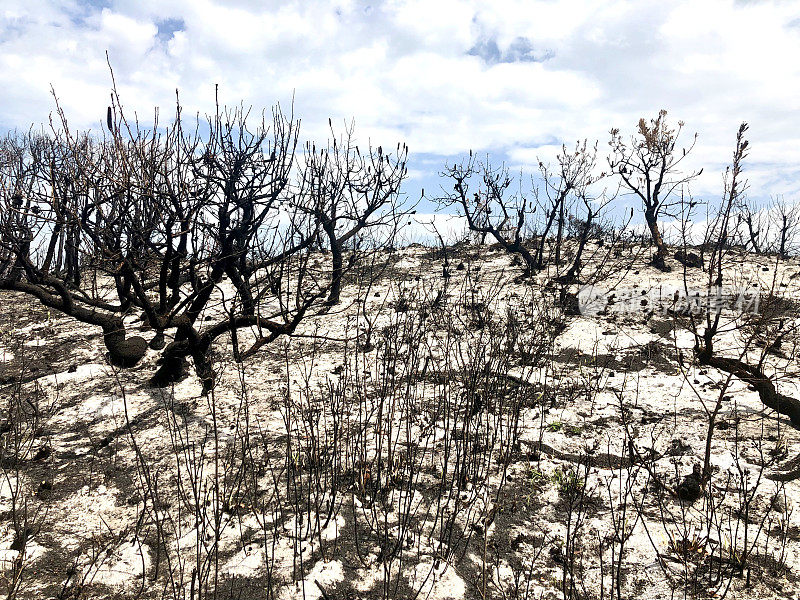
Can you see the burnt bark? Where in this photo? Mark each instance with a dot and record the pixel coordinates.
(660, 256)
(123, 351)
(151, 222)
(755, 376)
(337, 263)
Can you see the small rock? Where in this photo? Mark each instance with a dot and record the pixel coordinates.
(158, 342)
(781, 504)
(557, 555)
(128, 352)
(43, 453)
(690, 259)
(691, 488)
(678, 447)
(21, 538)
(45, 489)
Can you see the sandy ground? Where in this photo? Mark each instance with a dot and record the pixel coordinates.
(121, 490)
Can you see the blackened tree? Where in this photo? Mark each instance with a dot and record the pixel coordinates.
(649, 167)
(199, 232)
(349, 193)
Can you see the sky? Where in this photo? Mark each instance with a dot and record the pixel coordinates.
(510, 80)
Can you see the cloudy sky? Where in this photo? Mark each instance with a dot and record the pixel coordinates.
(509, 79)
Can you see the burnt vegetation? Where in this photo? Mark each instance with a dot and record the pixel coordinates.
(150, 222)
(287, 403)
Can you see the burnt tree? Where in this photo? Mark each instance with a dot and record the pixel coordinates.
(649, 168)
(760, 332)
(194, 231)
(482, 194)
(350, 194)
(491, 209)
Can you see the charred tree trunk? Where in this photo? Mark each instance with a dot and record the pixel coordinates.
(754, 376)
(72, 275)
(517, 247)
(559, 233)
(56, 238)
(540, 250)
(784, 233)
(174, 367)
(337, 267)
(660, 257)
(572, 274)
(123, 351)
(753, 233)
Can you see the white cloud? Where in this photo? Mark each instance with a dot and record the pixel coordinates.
(514, 78)
(423, 228)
